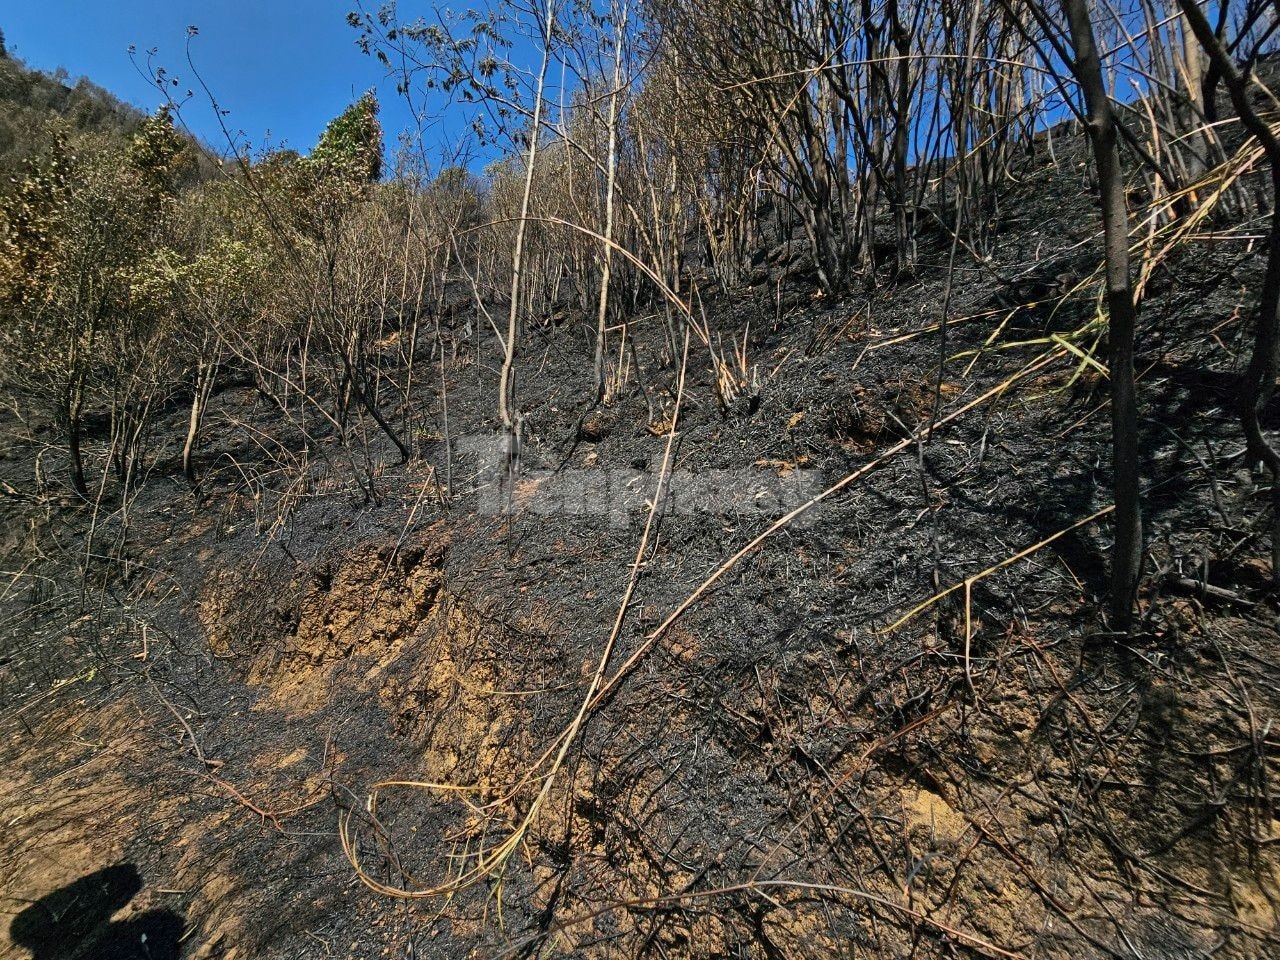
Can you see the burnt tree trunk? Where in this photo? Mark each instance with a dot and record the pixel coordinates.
(1258, 383)
(1126, 555)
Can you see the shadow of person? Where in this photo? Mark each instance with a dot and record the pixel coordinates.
(74, 922)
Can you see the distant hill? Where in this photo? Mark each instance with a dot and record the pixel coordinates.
(31, 100)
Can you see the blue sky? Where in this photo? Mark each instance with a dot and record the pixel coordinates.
(282, 68)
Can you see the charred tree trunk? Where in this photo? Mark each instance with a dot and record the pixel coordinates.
(1126, 556)
(72, 416)
(906, 257)
(1259, 380)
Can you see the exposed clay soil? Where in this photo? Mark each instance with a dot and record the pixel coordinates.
(186, 725)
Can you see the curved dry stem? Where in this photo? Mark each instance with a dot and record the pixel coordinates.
(490, 863)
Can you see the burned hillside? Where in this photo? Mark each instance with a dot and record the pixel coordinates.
(717, 591)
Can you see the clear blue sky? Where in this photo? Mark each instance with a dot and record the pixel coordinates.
(283, 67)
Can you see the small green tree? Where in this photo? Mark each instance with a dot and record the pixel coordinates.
(160, 158)
(351, 146)
(30, 241)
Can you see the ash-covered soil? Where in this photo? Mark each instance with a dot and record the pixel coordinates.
(197, 704)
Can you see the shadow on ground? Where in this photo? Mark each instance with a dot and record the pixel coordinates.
(74, 922)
